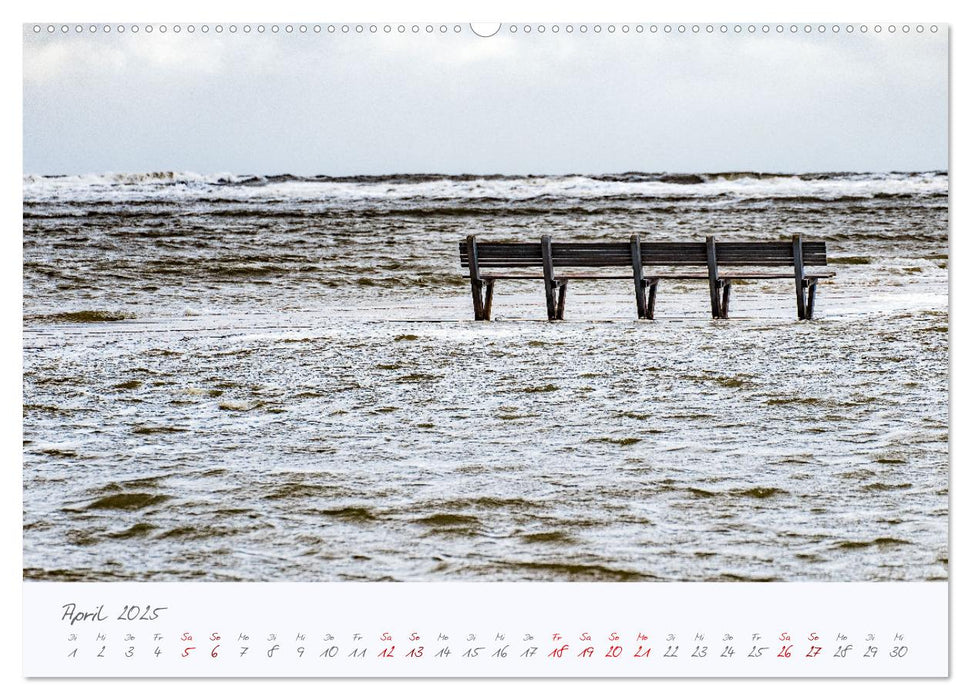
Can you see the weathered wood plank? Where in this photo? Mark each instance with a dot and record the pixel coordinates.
(559, 276)
(625, 261)
(664, 276)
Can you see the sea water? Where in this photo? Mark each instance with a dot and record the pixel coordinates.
(262, 378)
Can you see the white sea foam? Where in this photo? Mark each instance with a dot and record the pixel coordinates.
(188, 186)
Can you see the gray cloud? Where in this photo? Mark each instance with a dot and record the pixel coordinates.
(538, 103)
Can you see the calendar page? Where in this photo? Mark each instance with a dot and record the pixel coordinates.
(517, 349)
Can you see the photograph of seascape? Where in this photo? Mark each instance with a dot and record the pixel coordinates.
(237, 368)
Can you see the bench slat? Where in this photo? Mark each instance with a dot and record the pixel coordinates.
(663, 276)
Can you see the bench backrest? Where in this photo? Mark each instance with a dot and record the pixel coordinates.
(611, 254)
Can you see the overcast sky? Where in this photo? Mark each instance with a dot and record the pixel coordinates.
(343, 104)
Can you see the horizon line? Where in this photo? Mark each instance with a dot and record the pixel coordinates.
(431, 173)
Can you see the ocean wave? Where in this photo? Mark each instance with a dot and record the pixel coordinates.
(162, 177)
(181, 187)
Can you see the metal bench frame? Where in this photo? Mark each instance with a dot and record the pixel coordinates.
(477, 256)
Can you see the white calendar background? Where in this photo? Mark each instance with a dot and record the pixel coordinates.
(476, 630)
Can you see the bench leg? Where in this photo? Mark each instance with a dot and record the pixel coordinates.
(800, 279)
(716, 311)
(726, 298)
(651, 297)
(549, 278)
(487, 307)
(640, 298)
(713, 282)
(561, 302)
(638, 269)
(811, 302)
(477, 299)
(550, 299)
(801, 299)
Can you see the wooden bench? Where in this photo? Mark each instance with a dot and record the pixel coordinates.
(642, 258)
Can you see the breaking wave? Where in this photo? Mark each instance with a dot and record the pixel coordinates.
(429, 187)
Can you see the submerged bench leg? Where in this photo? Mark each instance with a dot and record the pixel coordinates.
(561, 302)
(640, 298)
(800, 300)
(811, 302)
(473, 249)
(713, 280)
(487, 307)
(651, 297)
(636, 264)
(477, 299)
(726, 297)
(800, 279)
(548, 279)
